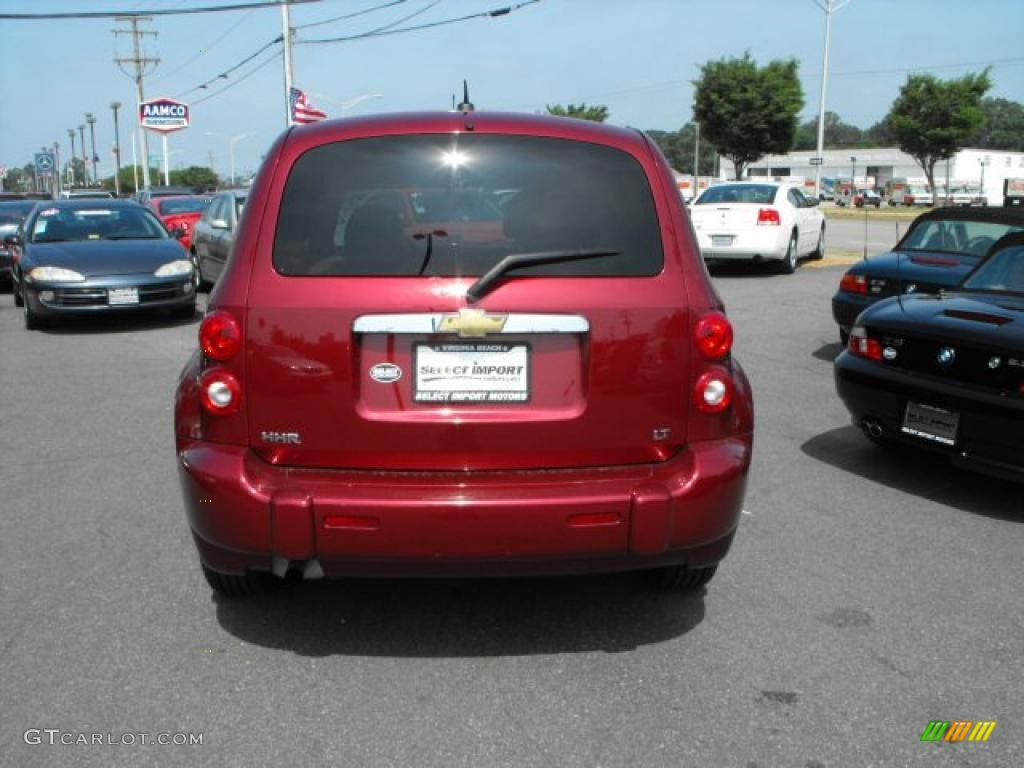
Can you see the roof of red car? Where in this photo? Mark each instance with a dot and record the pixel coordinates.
(465, 122)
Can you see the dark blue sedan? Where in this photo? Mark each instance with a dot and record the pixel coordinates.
(936, 253)
(82, 257)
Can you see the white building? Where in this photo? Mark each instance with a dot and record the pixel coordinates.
(874, 167)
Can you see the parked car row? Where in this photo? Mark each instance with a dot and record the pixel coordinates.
(934, 339)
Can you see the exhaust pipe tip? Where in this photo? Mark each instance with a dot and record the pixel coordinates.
(871, 428)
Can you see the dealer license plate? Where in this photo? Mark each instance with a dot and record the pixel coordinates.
(472, 373)
(117, 296)
(936, 424)
(721, 240)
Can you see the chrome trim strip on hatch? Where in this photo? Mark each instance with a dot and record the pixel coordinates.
(449, 322)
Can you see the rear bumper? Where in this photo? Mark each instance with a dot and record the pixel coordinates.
(246, 514)
(990, 436)
(759, 243)
(846, 306)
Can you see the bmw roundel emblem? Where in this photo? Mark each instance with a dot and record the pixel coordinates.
(946, 356)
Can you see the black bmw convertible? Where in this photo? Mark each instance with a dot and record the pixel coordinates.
(935, 254)
(946, 371)
(75, 257)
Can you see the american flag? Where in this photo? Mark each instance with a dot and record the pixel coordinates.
(303, 111)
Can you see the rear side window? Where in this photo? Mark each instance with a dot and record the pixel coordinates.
(456, 205)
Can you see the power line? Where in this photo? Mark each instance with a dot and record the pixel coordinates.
(229, 30)
(276, 55)
(224, 75)
(155, 12)
(483, 14)
(351, 15)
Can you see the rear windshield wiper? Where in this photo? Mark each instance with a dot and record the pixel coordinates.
(517, 260)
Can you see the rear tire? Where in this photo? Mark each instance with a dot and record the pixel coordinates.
(234, 585)
(819, 251)
(679, 578)
(788, 264)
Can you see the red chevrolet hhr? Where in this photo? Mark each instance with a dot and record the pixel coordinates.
(463, 344)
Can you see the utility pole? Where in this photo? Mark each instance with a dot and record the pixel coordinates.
(140, 63)
(71, 160)
(289, 77)
(117, 150)
(90, 118)
(828, 6)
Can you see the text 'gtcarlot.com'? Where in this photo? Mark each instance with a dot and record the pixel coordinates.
(55, 736)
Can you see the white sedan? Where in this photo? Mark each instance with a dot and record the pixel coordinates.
(760, 221)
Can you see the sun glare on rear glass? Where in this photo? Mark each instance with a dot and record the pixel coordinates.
(454, 159)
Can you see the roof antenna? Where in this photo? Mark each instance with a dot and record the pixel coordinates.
(466, 105)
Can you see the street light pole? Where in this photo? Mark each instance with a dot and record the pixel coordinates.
(117, 150)
(91, 120)
(71, 160)
(853, 174)
(56, 170)
(85, 163)
(984, 197)
(828, 6)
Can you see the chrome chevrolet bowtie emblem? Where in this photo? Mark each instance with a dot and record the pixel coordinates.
(472, 323)
(946, 356)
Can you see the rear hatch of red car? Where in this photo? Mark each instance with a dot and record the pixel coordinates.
(373, 343)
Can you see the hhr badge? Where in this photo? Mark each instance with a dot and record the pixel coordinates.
(281, 438)
(472, 323)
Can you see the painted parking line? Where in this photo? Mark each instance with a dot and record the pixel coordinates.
(835, 258)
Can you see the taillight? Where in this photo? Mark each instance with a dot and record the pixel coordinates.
(768, 217)
(219, 336)
(714, 390)
(714, 336)
(853, 283)
(219, 392)
(863, 346)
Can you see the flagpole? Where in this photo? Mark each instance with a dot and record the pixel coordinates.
(286, 36)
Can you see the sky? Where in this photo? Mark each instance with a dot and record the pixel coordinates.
(637, 57)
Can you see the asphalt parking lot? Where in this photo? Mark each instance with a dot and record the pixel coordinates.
(868, 593)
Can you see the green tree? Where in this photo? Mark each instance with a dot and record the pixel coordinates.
(597, 113)
(1003, 126)
(838, 134)
(934, 119)
(747, 111)
(194, 176)
(881, 134)
(678, 146)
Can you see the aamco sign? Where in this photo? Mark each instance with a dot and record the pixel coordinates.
(163, 115)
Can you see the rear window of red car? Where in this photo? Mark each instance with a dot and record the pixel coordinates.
(183, 205)
(456, 205)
